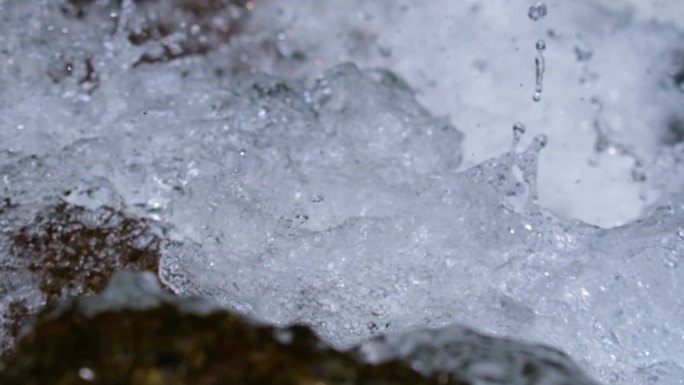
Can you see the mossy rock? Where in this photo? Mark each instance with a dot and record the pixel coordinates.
(70, 251)
(74, 251)
(167, 345)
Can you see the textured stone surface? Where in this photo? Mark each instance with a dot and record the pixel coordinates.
(136, 334)
(67, 251)
(159, 343)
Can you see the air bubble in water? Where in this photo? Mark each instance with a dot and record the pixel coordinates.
(537, 11)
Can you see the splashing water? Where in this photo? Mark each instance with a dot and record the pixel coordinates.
(338, 202)
(526, 163)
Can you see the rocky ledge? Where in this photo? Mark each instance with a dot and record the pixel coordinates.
(137, 333)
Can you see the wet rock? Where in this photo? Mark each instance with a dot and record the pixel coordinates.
(177, 28)
(478, 358)
(136, 333)
(67, 251)
(164, 344)
(73, 251)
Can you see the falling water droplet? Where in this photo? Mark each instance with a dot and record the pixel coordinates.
(540, 68)
(537, 11)
(518, 131)
(540, 141)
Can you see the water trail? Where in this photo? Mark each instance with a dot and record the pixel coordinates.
(540, 68)
(528, 163)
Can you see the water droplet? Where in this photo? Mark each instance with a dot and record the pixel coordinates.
(476, 175)
(671, 263)
(540, 68)
(307, 97)
(518, 131)
(583, 54)
(680, 232)
(537, 11)
(86, 374)
(243, 152)
(284, 336)
(540, 141)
